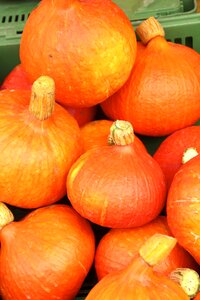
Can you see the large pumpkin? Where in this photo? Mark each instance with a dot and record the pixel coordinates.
(39, 141)
(162, 92)
(118, 185)
(183, 206)
(87, 47)
(46, 255)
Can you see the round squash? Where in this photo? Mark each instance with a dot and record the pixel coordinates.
(89, 53)
(183, 206)
(39, 141)
(46, 255)
(162, 92)
(118, 185)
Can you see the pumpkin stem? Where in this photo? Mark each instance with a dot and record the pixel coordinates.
(121, 133)
(157, 248)
(188, 279)
(42, 98)
(188, 154)
(6, 215)
(149, 29)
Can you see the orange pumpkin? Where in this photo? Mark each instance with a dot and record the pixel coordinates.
(82, 115)
(16, 79)
(162, 92)
(39, 141)
(96, 133)
(118, 185)
(138, 280)
(46, 255)
(118, 247)
(183, 206)
(89, 53)
(171, 153)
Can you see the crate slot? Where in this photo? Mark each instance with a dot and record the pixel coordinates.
(189, 41)
(3, 20)
(178, 40)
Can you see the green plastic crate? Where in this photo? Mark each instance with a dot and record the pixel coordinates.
(142, 9)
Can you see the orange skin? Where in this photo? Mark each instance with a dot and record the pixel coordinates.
(183, 207)
(197, 297)
(82, 115)
(162, 92)
(35, 155)
(17, 79)
(88, 62)
(170, 152)
(48, 254)
(118, 247)
(96, 133)
(117, 186)
(137, 281)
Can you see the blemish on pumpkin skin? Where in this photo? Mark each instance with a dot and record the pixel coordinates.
(191, 200)
(196, 236)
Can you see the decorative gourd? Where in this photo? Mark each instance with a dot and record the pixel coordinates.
(183, 206)
(118, 247)
(89, 53)
(17, 79)
(118, 185)
(47, 255)
(96, 133)
(39, 141)
(162, 92)
(171, 153)
(138, 280)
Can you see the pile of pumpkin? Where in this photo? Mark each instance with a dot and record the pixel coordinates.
(72, 118)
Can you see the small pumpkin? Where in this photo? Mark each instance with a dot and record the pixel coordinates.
(118, 185)
(95, 133)
(162, 92)
(183, 206)
(46, 255)
(39, 141)
(171, 153)
(18, 79)
(138, 280)
(118, 247)
(89, 53)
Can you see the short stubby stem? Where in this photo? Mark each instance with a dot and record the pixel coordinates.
(188, 279)
(42, 98)
(121, 133)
